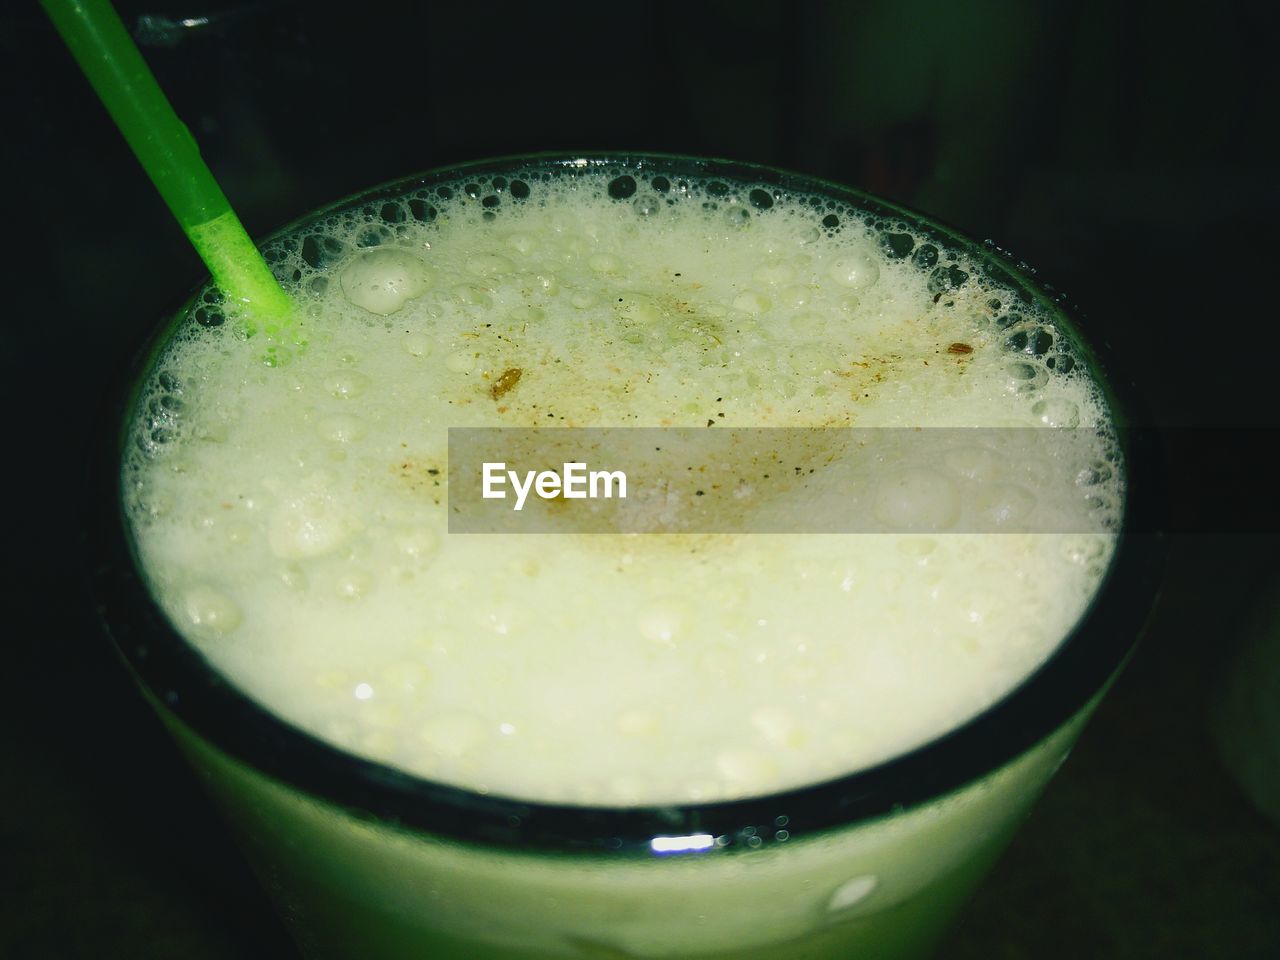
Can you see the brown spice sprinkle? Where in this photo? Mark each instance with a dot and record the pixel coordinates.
(505, 383)
(960, 348)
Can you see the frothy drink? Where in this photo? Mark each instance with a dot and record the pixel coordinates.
(291, 512)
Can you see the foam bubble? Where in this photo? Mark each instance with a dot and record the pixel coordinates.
(774, 273)
(1025, 377)
(974, 462)
(416, 344)
(342, 428)
(751, 302)
(917, 499)
(352, 584)
(347, 384)
(383, 280)
(210, 611)
(418, 543)
(604, 263)
(857, 270)
(663, 623)
(472, 296)
(1005, 505)
(1057, 412)
(308, 525)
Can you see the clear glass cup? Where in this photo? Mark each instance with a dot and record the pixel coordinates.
(364, 860)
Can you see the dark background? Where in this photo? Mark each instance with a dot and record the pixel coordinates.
(1121, 148)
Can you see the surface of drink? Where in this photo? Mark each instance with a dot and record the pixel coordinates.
(290, 512)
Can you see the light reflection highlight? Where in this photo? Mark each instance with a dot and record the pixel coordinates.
(692, 843)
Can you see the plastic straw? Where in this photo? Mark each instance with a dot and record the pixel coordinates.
(97, 38)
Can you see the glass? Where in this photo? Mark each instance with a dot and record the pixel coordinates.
(365, 860)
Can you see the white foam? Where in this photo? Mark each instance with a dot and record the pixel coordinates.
(303, 546)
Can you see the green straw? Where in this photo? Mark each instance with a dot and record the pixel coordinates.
(92, 30)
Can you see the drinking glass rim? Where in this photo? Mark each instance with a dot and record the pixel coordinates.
(178, 678)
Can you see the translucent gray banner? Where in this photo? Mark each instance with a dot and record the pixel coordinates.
(783, 480)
